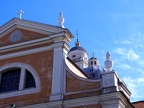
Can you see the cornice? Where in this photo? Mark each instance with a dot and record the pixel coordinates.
(33, 26)
(57, 38)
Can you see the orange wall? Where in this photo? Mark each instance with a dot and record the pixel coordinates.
(77, 88)
(75, 84)
(43, 64)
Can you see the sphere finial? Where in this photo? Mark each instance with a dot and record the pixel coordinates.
(108, 63)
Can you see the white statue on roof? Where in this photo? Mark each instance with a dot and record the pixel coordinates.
(61, 20)
(108, 63)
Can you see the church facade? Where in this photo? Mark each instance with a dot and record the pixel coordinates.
(39, 70)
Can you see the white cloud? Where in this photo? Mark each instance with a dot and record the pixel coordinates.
(127, 54)
(136, 87)
(131, 55)
(140, 81)
(120, 51)
(141, 62)
(123, 42)
(123, 66)
(134, 40)
(126, 42)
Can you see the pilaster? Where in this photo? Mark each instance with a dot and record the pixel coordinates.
(113, 100)
(58, 75)
(56, 92)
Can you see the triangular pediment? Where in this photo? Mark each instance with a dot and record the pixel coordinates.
(19, 30)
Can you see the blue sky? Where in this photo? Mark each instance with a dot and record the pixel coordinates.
(116, 26)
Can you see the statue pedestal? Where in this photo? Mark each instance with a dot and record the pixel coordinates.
(109, 82)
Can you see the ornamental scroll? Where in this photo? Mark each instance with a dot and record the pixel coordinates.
(15, 36)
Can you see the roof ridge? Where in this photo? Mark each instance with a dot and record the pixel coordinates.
(138, 101)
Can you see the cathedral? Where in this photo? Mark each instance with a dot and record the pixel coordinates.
(38, 69)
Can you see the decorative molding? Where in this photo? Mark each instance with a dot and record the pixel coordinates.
(66, 103)
(33, 42)
(17, 36)
(31, 51)
(25, 44)
(26, 52)
(83, 91)
(34, 26)
(76, 76)
(106, 100)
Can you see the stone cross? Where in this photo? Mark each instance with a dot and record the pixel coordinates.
(20, 14)
(77, 34)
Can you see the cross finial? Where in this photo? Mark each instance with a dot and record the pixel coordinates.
(93, 55)
(77, 34)
(20, 14)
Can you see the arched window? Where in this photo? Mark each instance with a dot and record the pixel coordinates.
(95, 62)
(17, 79)
(30, 82)
(10, 80)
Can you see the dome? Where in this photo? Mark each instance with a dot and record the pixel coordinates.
(94, 72)
(78, 55)
(93, 61)
(77, 48)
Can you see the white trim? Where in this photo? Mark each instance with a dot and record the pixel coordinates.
(34, 26)
(81, 78)
(57, 77)
(24, 91)
(24, 43)
(19, 93)
(26, 52)
(66, 103)
(3, 33)
(22, 78)
(31, 41)
(84, 79)
(83, 91)
(81, 101)
(110, 100)
(31, 51)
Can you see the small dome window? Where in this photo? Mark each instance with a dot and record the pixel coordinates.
(91, 63)
(95, 62)
(73, 56)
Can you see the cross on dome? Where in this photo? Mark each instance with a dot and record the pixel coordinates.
(77, 43)
(77, 34)
(93, 54)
